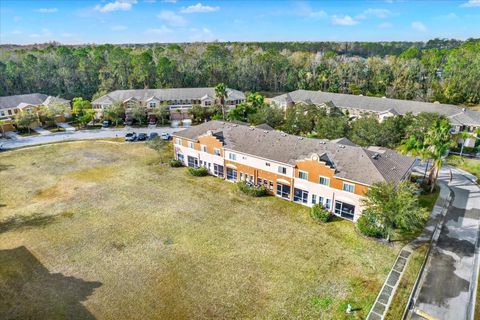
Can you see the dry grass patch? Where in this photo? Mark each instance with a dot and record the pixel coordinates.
(154, 242)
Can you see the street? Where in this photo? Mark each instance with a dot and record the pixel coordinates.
(449, 282)
(77, 135)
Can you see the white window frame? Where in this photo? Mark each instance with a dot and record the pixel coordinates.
(282, 170)
(304, 173)
(323, 184)
(232, 156)
(217, 152)
(190, 145)
(345, 184)
(178, 141)
(203, 148)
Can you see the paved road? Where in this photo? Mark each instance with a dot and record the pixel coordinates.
(77, 135)
(448, 285)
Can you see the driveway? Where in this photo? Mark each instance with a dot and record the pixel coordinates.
(41, 131)
(78, 135)
(66, 126)
(448, 284)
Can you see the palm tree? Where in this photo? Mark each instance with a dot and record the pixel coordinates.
(221, 94)
(438, 140)
(416, 148)
(463, 135)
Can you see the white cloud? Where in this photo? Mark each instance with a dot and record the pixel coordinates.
(199, 8)
(17, 31)
(149, 1)
(471, 3)
(47, 10)
(169, 1)
(343, 20)
(379, 13)
(417, 25)
(202, 34)
(124, 5)
(318, 14)
(44, 33)
(161, 30)
(385, 25)
(66, 34)
(171, 18)
(118, 28)
(450, 16)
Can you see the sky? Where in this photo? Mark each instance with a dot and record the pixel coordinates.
(145, 21)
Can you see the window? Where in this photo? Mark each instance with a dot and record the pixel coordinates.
(267, 164)
(314, 199)
(232, 156)
(203, 148)
(178, 141)
(241, 176)
(216, 152)
(282, 170)
(259, 181)
(327, 203)
(265, 183)
(344, 210)
(218, 170)
(153, 104)
(180, 157)
(9, 112)
(192, 162)
(325, 181)
(231, 174)
(300, 195)
(348, 187)
(320, 200)
(271, 185)
(251, 179)
(190, 144)
(303, 175)
(283, 191)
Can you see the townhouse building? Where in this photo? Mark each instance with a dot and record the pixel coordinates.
(10, 106)
(178, 100)
(333, 173)
(461, 119)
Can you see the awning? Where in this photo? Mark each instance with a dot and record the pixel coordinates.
(283, 181)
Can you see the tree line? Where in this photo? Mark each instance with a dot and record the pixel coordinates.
(439, 70)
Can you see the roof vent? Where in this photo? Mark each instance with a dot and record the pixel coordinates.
(252, 128)
(342, 146)
(235, 125)
(265, 131)
(376, 156)
(464, 109)
(322, 142)
(284, 135)
(300, 138)
(384, 97)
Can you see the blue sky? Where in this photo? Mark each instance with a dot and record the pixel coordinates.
(141, 21)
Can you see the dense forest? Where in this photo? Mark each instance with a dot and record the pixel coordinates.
(438, 70)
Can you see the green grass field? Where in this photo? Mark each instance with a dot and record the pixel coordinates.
(467, 164)
(103, 230)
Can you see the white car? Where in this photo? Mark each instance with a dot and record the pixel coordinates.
(165, 136)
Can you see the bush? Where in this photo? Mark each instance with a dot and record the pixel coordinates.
(176, 163)
(252, 190)
(320, 214)
(369, 227)
(198, 172)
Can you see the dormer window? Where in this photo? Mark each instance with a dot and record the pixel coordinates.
(152, 104)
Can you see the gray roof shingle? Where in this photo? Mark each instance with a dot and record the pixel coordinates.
(351, 162)
(165, 94)
(396, 106)
(35, 99)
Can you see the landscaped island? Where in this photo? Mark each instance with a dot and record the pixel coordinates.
(103, 230)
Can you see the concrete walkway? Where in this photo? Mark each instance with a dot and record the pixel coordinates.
(66, 126)
(41, 131)
(447, 288)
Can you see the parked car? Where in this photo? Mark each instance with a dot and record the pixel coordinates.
(153, 135)
(166, 136)
(152, 122)
(128, 122)
(142, 136)
(131, 136)
(105, 124)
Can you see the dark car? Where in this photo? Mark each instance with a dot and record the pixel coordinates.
(153, 135)
(142, 137)
(131, 136)
(105, 124)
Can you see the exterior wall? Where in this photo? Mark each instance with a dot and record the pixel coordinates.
(205, 157)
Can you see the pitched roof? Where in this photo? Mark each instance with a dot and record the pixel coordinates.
(381, 105)
(166, 94)
(30, 99)
(351, 162)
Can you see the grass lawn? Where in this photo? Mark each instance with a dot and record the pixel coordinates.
(467, 164)
(102, 230)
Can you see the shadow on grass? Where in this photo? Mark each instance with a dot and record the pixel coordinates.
(29, 291)
(18, 222)
(4, 167)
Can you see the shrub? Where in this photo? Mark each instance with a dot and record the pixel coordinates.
(369, 227)
(176, 163)
(252, 190)
(198, 172)
(320, 214)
